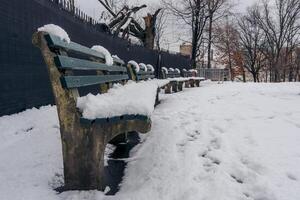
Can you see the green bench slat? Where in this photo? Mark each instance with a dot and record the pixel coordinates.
(144, 73)
(187, 74)
(54, 41)
(81, 81)
(171, 74)
(64, 62)
(114, 119)
(144, 77)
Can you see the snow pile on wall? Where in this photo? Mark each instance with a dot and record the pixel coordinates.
(132, 98)
(108, 58)
(159, 82)
(57, 31)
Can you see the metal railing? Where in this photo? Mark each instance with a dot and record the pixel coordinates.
(75, 11)
(215, 74)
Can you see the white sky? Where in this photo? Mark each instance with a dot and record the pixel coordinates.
(93, 8)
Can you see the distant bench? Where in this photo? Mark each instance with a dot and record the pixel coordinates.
(178, 79)
(75, 70)
(193, 79)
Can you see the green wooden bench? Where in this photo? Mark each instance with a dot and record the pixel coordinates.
(176, 84)
(141, 72)
(72, 68)
(193, 80)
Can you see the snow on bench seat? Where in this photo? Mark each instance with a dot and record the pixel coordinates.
(199, 78)
(129, 99)
(178, 79)
(160, 82)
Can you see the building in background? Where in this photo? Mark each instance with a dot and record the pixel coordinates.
(186, 49)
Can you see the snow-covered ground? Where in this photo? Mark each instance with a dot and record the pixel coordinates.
(216, 142)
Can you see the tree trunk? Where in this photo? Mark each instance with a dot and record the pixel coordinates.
(209, 41)
(254, 76)
(244, 76)
(149, 32)
(194, 50)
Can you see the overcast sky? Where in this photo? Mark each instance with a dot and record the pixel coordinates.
(93, 8)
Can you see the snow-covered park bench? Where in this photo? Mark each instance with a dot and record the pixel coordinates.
(140, 72)
(91, 113)
(176, 81)
(193, 80)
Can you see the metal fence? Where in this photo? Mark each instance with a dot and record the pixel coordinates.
(215, 74)
(24, 82)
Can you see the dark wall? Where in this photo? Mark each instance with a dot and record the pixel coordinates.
(24, 81)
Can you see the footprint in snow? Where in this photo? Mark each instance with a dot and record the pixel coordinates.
(193, 136)
(210, 159)
(218, 128)
(181, 146)
(271, 117)
(215, 143)
(26, 130)
(292, 177)
(238, 180)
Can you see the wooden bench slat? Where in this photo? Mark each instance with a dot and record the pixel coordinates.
(54, 41)
(144, 77)
(82, 81)
(144, 73)
(64, 62)
(114, 119)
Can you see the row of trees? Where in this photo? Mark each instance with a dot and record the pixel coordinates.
(200, 17)
(263, 42)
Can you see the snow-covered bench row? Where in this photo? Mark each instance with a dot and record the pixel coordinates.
(96, 101)
(178, 79)
(98, 97)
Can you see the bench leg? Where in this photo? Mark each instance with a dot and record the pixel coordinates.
(180, 86)
(168, 89)
(192, 83)
(157, 97)
(186, 84)
(197, 82)
(83, 153)
(175, 87)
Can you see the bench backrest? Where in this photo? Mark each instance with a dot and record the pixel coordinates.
(80, 66)
(187, 73)
(142, 74)
(171, 73)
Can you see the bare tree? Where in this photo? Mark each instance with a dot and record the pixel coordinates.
(277, 27)
(192, 13)
(213, 6)
(252, 41)
(227, 44)
(160, 27)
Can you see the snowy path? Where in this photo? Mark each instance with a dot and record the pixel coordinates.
(216, 142)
